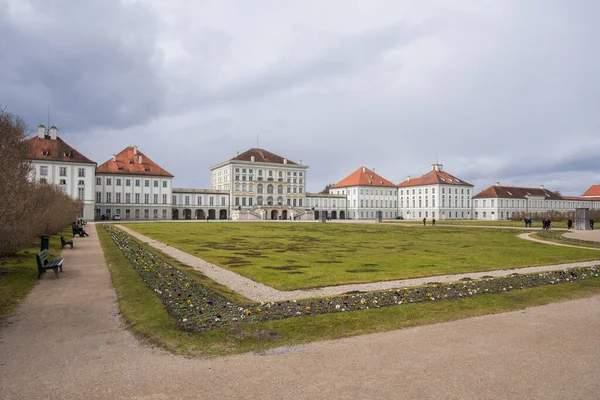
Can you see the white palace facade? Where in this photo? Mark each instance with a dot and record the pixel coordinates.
(260, 185)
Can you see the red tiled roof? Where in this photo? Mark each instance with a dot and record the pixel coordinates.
(509, 192)
(54, 150)
(363, 177)
(579, 198)
(261, 155)
(434, 177)
(126, 162)
(594, 190)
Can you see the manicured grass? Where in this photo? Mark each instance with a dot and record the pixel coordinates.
(147, 318)
(18, 274)
(558, 237)
(306, 255)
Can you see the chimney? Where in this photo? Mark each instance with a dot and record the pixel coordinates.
(41, 131)
(135, 150)
(114, 157)
(497, 183)
(252, 158)
(408, 178)
(237, 153)
(300, 162)
(53, 132)
(140, 158)
(285, 160)
(542, 187)
(364, 170)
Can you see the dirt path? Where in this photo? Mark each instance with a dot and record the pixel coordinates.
(260, 292)
(66, 342)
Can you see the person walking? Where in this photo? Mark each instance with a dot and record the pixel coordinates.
(424, 221)
(592, 223)
(433, 222)
(569, 223)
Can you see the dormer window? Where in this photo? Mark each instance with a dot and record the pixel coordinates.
(46, 152)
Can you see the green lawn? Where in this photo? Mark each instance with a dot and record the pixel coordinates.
(18, 274)
(146, 317)
(291, 256)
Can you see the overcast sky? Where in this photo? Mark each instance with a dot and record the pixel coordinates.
(500, 90)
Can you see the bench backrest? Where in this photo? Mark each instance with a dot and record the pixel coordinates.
(42, 257)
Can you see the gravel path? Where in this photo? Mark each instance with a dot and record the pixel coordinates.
(260, 292)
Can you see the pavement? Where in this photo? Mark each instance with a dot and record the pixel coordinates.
(66, 341)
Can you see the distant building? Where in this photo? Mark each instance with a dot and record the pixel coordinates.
(366, 193)
(508, 202)
(56, 162)
(437, 194)
(132, 186)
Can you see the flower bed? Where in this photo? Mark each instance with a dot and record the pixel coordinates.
(199, 309)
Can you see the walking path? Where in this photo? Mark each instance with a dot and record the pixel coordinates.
(66, 341)
(259, 292)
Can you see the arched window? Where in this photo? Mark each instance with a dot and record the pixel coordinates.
(280, 189)
(259, 200)
(259, 188)
(280, 200)
(270, 189)
(270, 200)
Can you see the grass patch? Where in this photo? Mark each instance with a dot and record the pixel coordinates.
(146, 317)
(339, 253)
(18, 274)
(558, 237)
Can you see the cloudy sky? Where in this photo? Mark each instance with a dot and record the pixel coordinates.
(500, 90)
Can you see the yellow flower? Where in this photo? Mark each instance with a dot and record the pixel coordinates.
(307, 308)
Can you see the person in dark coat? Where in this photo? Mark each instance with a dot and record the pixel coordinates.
(569, 223)
(592, 223)
(424, 221)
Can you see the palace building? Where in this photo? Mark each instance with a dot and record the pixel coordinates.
(55, 162)
(260, 185)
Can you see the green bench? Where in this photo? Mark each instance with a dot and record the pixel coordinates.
(44, 264)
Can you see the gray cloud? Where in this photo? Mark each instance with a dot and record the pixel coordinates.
(500, 91)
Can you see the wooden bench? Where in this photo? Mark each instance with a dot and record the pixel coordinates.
(44, 264)
(64, 242)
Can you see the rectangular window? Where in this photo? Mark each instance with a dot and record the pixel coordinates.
(164, 213)
(250, 201)
(155, 213)
(118, 181)
(118, 198)
(43, 171)
(146, 198)
(108, 197)
(164, 199)
(98, 197)
(81, 173)
(108, 181)
(187, 200)
(237, 201)
(63, 171)
(155, 199)
(62, 182)
(164, 184)
(147, 183)
(199, 200)
(137, 199)
(127, 213)
(243, 201)
(222, 201)
(146, 213)
(137, 183)
(98, 181)
(299, 202)
(127, 182)
(128, 198)
(156, 185)
(81, 182)
(174, 200)
(137, 212)
(211, 201)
